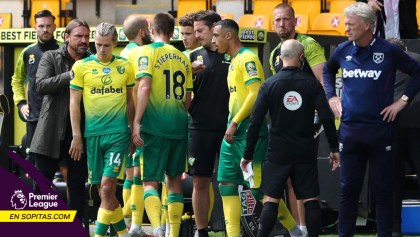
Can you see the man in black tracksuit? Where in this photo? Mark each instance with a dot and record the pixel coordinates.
(291, 98)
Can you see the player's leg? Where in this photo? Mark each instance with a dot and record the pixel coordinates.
(202, 154)
(126, 193)
(116, 149)
(305, 183)
(155, 153)
(137, 193)
(174, 168)
(273, 183)
(229, 177)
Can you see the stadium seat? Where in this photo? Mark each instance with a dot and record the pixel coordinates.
(187, 6)
(5, 20)
(310, 7)
(39, 5)
(338, 6)
(328, 24)
(302, 24)
(226, 16)
(254, 21)
(265, 7)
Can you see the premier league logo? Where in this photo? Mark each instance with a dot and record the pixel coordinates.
(378, 57)
(18, 200)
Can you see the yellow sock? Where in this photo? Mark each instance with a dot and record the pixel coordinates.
(164, 198)
(117, 221)
(126, 195)
(137, 204)
(103, 220)
(175, 208)
(211, 194)
(231, 209)
(284, 216)
(153, 207)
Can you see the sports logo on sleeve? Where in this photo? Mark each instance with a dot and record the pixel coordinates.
(251, 69)
(200, 58)
(378, 57)
(31, 58)
(143, 63)
(292, 100)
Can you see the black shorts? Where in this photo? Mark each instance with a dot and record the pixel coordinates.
(204, 147)
(304, 179)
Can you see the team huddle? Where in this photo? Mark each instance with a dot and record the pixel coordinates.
(154, 113)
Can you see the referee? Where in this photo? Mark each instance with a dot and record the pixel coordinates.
(291, 97)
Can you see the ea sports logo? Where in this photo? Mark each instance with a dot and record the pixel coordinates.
(18, 200)
(292, 100)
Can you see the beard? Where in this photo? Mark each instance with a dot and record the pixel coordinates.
(146, 40)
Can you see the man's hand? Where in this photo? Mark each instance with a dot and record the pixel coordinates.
(197, 66)
(24, 109)
(243, 164)
(335, 105)
(230, 132)
(334, 160)
(136, 135)
(390, 112)
(76, 148)
(375, 5)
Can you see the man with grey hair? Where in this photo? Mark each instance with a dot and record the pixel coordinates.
(367, 111)
(291, 97)
(105, 82)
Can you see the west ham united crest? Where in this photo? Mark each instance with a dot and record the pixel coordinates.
(378, 57)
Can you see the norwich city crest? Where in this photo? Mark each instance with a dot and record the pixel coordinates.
(121, 69)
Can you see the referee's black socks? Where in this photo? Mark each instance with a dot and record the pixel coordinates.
(313, 217)
(268, 218)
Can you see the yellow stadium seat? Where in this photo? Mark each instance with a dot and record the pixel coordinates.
(39, 5)
(310, 7)
(266, 7)
(338, 6)
(226, 16)
(328, 24)
(302, 24)
(187, 6)
(418, 14)
(254, 21)
(5, 20)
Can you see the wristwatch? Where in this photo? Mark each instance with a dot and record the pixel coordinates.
(405, 98)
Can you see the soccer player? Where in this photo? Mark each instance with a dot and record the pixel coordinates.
(105, 82)
(313, 63)
(367, 110)
(53, 135)
(244, 80)
(291, 97)
(207, 126)
(187, 33)
(164, 94)
(25, 73)
(136, 29)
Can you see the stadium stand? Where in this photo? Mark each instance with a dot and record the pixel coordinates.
(310, 7)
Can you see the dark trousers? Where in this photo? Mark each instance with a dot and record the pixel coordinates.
(76, 175)
(408, 149)
(360, 145)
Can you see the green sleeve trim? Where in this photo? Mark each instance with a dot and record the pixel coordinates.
(189, 89)
(175, 197)
(76, 87)
(252, 80)
(131, 85)
(143, 74)
(150, 193)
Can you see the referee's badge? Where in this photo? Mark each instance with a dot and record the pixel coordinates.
(277, 60)
(378, 57)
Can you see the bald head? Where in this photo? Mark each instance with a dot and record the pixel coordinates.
(291, 52)
(133, 24)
